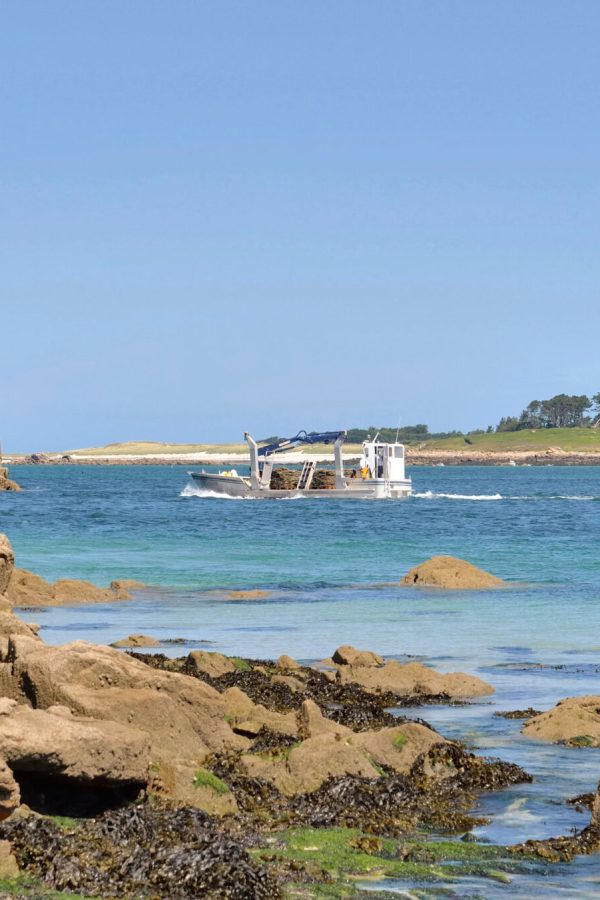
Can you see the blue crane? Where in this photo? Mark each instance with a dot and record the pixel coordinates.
(303, 437)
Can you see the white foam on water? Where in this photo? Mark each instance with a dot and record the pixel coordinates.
(432, 495)
(191, 490)
(516, 814)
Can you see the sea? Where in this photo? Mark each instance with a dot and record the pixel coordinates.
(332, 570)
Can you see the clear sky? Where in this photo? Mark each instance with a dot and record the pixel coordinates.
(279, 215)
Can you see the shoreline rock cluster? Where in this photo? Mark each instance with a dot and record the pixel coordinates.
(5, 482)
(177, 769)
(415, 456)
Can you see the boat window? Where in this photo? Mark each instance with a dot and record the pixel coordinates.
(399, 452)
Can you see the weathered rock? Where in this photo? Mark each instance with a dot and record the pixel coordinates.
(7, 563)
(55, 743)
(184, 717)
(450, 573)
(294, 684)
(28, 589)
(184, 786)
(287, 662)
(596, 809)
(10, 795)
(137, 640)
(71, 590)
(123, 587)
(350, 656)
(312, 722)
(37, 459)
(248, 717)
(399, 747)
(5, 483)
(311, 763)
(414, 679)
(11, 625)
(214, 664)
(574, 721)
(9, 867)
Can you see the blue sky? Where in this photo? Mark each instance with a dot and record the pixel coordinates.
(276, 215)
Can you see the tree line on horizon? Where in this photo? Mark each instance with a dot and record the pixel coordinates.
(560, 411)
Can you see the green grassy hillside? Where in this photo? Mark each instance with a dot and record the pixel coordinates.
(584, 440)
(156, 448)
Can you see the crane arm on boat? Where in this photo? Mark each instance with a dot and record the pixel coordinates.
(312, 437)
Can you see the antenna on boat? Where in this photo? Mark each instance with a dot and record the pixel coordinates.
(398, 428)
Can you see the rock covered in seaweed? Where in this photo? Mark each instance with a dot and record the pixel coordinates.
(450, 573)
(414, 679)
(574, 721)
(141, 851)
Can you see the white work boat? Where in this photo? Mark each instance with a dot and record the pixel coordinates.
(380, 475)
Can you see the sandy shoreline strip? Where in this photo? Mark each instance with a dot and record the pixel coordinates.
(415, 457)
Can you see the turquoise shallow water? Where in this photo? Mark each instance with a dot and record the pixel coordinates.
(329, 565)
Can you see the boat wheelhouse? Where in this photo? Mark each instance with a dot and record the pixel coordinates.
(379, 475)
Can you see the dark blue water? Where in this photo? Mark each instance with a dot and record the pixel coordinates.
(330, 567)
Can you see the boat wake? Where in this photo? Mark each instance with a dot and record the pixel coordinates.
(433, 495)
(191, 490)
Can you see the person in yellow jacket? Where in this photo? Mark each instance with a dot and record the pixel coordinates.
(364, 472)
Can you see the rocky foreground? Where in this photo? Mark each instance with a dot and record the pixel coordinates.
(133, 775)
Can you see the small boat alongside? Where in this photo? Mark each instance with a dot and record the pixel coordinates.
(380, 474)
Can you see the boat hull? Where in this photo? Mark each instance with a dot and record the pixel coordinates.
(356, 489)
(227, 485)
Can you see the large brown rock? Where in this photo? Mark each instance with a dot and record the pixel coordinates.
(184, 718)
(450, 573)
(10, 795)
(247, 717)
(213, 664)
(574, 721)
(28, 589)
(137, 640)
(414, 678)
(53, 742)
(347, 655)
(398, 747)
(5, 483)
(332, 750)
(11, 626)
(7, 563)
(311, 763)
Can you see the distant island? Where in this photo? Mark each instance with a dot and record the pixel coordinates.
(562, 430)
